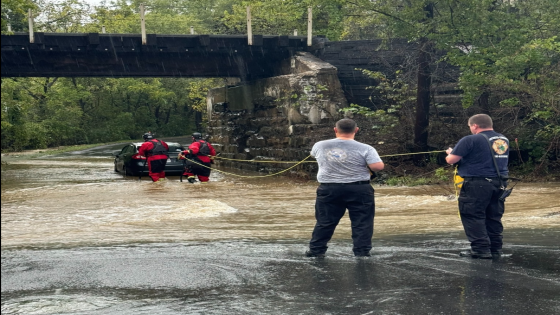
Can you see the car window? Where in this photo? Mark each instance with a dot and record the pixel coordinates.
(129, 149)
(175, 148)
(125, 149)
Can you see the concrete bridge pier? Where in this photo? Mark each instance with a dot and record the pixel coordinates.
(277, 118)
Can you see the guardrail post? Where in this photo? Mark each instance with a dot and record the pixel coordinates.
(249, 29)
(31, 35)
(295, 32)
(309, 26)
(103, 29)
(143, 24)
(192, 30)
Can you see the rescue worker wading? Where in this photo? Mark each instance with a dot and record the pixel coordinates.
(479, 200)
(156, 152)
(344, 177)
(199, 152)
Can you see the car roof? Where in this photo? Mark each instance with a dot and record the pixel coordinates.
(176, 144)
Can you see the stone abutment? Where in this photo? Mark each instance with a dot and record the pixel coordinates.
(278, 118)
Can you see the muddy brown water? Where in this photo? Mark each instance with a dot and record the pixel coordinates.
(77, 199)
(78, 238)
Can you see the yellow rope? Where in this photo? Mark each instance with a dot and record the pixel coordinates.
(264, 161)
(296, 163)
(458, 183)
(302, 161)
(412, 153)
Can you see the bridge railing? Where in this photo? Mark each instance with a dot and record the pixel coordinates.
(250, 36)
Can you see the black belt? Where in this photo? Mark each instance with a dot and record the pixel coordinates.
(352, 183)
(484, 178)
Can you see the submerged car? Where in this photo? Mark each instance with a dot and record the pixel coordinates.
(130, 163)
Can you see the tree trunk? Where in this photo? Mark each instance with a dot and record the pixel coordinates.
(198, 121)
(425, 47)
(423, 96)
(483, 102)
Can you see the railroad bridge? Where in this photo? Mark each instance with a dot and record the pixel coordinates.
(124, 55)
(288, 92)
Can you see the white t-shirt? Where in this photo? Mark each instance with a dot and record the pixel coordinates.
(343, 161)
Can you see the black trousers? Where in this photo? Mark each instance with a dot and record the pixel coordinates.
(197, 169)
(157, 166)
(481, 214)
(331, 204)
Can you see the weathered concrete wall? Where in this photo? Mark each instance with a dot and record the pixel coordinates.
(278, 118)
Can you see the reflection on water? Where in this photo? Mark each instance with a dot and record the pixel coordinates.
(81, 201)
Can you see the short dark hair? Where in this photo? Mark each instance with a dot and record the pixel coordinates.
(482, 120)
(346, 125)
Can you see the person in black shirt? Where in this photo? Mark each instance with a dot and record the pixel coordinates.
(480, 208)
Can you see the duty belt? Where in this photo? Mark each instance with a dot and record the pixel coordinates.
(489, 179)
(352, 183)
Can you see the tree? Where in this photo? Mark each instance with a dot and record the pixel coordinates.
(14, 12)
(282, 17)
(506, 50)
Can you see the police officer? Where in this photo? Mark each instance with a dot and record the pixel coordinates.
(156, 152)
(344, 180)
(199, 157)
(480, 207)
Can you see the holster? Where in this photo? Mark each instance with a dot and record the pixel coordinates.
(505, 193)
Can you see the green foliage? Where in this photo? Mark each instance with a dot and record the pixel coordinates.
(442, 174)
(407, 181)
(439, 176)
(509, 50)
(14, 12)
(39, 112)
(282, 17)
(394, 99)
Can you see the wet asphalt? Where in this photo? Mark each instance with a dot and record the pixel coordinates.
(408, 274)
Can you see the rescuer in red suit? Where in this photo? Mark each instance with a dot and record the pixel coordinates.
(156, 152)
(199, 158)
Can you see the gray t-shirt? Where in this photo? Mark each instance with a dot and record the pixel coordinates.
(343, 161)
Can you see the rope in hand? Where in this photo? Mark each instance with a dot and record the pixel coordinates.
(268, 161)
(289, 168)
(458, 183)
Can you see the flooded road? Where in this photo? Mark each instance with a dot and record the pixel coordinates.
(78, 238)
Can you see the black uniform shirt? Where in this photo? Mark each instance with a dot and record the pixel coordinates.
(476, 158)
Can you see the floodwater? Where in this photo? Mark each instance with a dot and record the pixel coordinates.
(78, 238)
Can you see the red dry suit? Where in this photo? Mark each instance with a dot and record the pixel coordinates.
(194, 154)
(156, 152)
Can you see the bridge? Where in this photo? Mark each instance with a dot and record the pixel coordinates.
(125, 55)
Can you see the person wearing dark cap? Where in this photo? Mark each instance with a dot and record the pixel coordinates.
(156, 153)
(199, 157)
